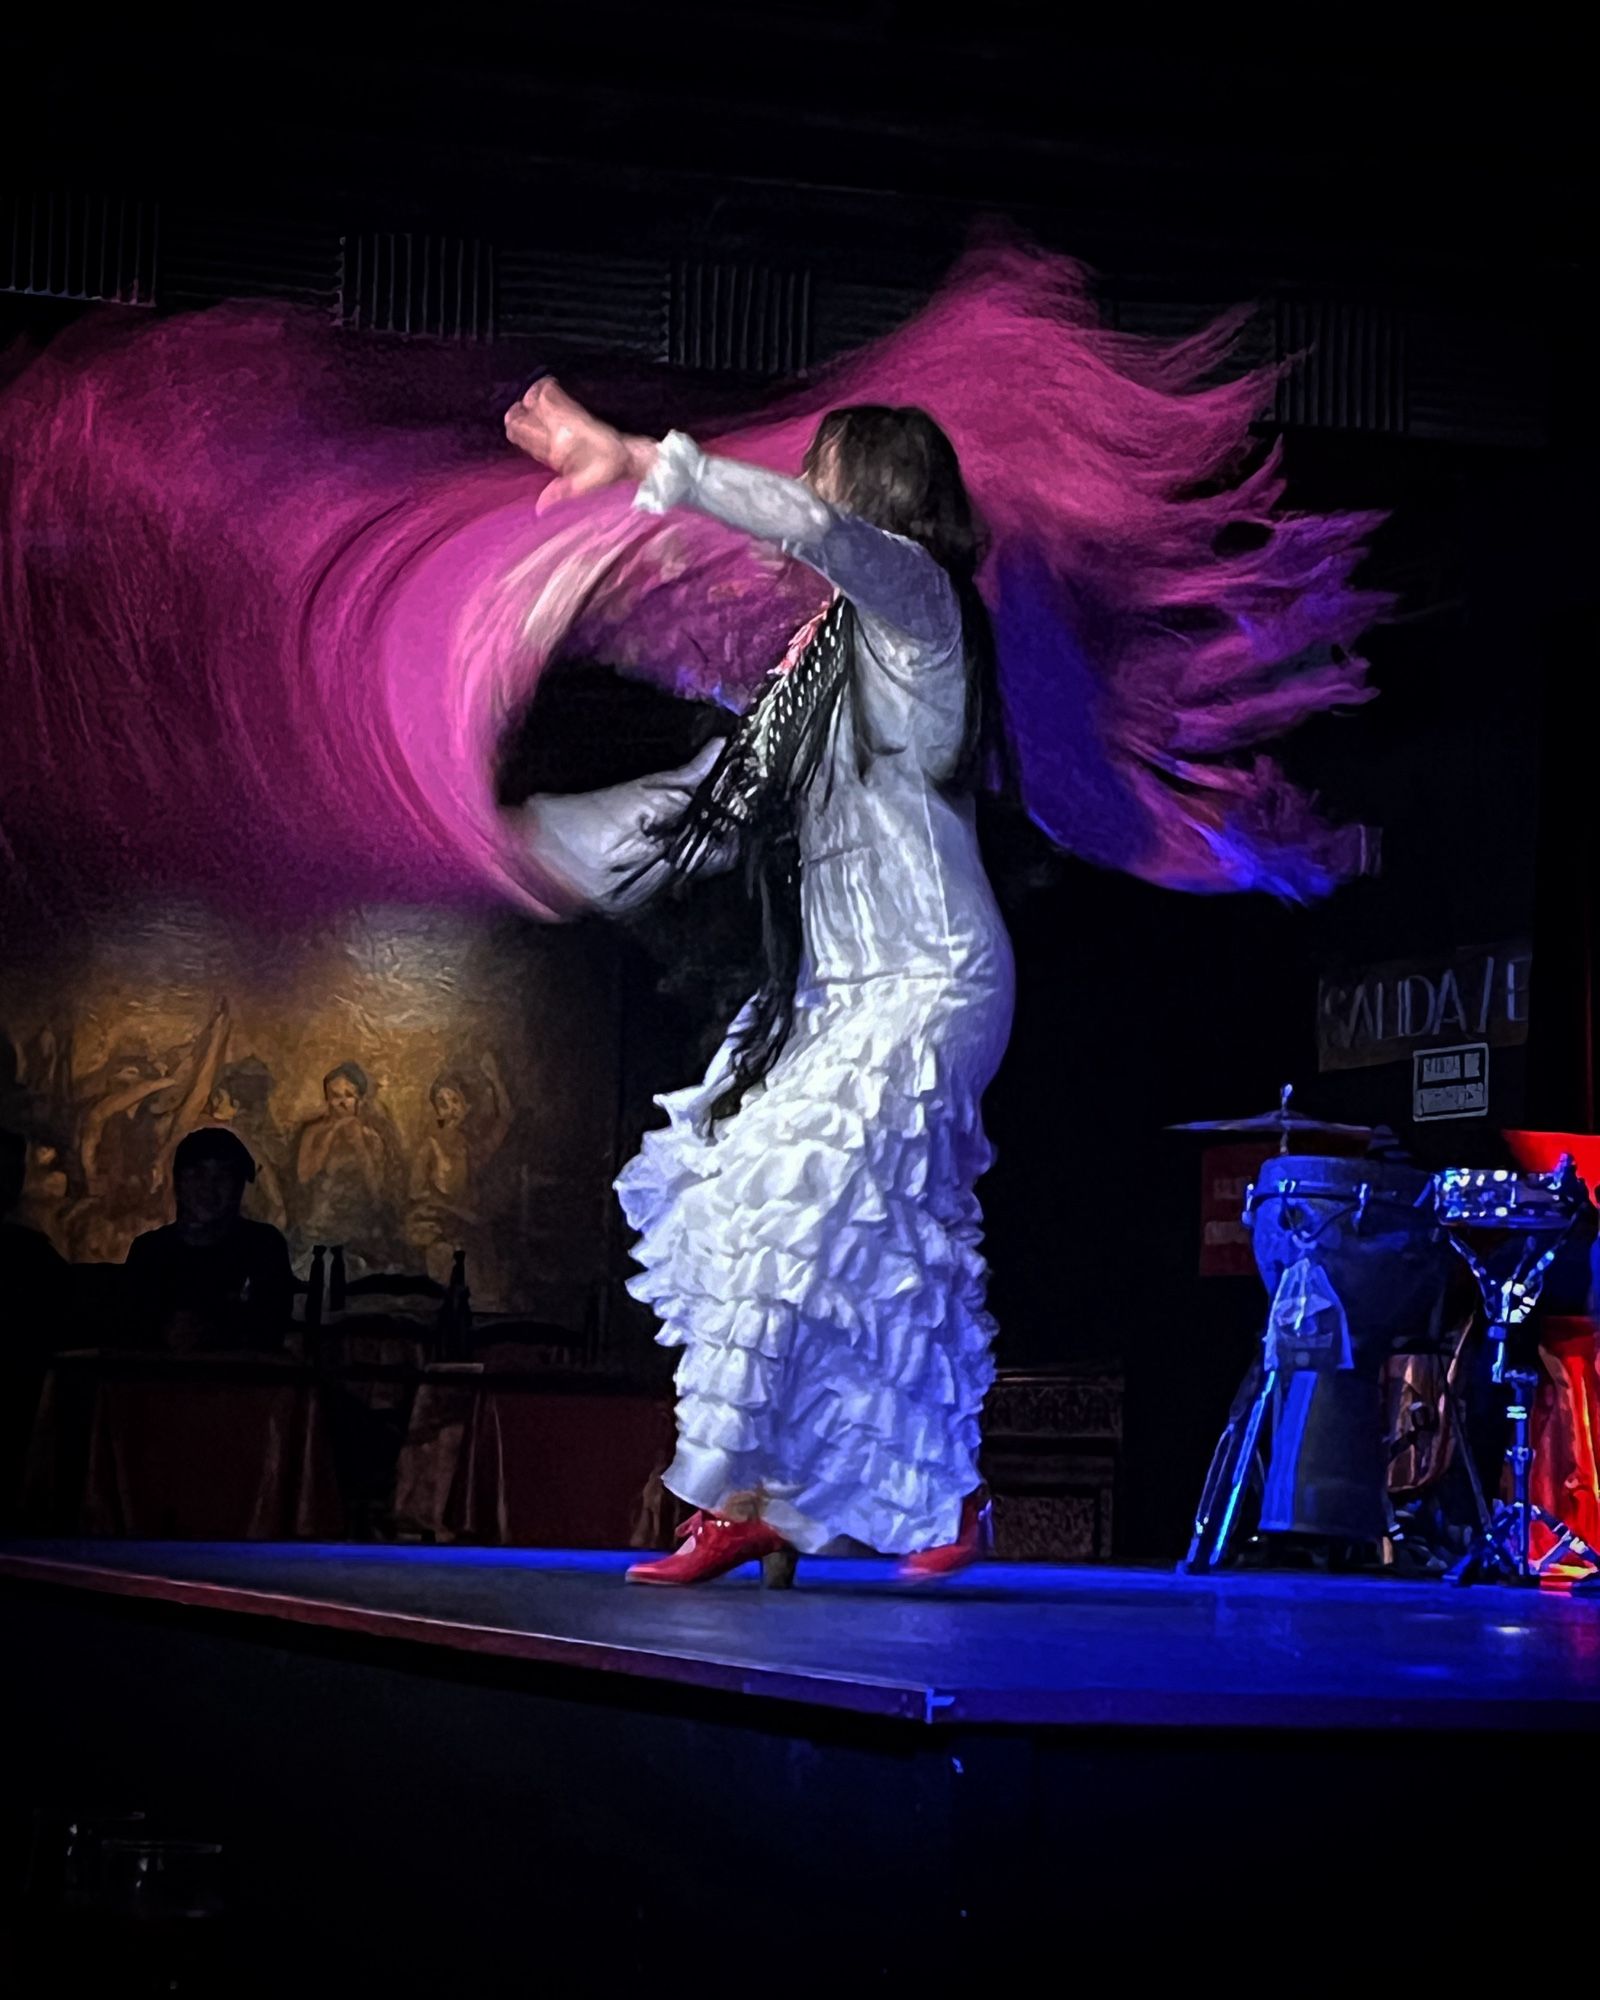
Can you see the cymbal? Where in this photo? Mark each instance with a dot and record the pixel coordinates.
(1283, 1122)
(1274, 1121)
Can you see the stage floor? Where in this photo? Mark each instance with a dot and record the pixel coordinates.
(1031, 1646)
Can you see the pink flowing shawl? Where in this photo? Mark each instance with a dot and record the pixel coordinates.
(272, 595)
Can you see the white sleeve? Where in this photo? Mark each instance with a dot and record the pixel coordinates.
(592, 843)
(884, 575)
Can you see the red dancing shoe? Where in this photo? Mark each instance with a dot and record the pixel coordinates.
(713, 1545)
(975, 1541)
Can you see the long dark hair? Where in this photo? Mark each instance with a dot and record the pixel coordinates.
(896, 469)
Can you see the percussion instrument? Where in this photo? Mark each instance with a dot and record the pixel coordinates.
(1286, 1123)
(1357, 1267)
(1507, 1228)
(1369, 1230)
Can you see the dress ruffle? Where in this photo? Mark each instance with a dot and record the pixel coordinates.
(817, 1260)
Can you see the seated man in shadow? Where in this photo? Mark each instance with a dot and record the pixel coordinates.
(211, 1279)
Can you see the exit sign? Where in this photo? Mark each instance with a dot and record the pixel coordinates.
(1450, 1083)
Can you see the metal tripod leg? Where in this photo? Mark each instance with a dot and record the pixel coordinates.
(1490, 1553)
(1232, 1468)
(1219, 1477)
(1504, 1547)
(1457, 1406)
(1565, 1541)
(1497, 1547)
(1220, 1472)
(1246, 1466)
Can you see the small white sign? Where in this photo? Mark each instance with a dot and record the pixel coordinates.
(1450, 1083)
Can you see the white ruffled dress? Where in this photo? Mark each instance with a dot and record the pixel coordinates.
(816, 1258)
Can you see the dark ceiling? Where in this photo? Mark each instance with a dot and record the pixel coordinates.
(1399, 169)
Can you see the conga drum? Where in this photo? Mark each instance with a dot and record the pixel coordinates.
(1356, 1268)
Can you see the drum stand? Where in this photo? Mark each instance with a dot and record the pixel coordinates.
(1235, 1465)
(1502, 1549)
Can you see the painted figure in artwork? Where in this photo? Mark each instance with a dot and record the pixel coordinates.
(128, 1133)
(471, 1118)
(345, 1173)
(242, 1102)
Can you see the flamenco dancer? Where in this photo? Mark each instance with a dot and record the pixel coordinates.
(806, 1220)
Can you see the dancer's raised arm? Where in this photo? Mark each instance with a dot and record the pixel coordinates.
(884, 575)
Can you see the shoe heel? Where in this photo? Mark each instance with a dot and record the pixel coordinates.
(778, 1568)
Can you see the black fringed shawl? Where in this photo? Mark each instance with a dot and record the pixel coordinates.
(747, 809)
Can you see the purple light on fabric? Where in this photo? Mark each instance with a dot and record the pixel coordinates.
(271, 596)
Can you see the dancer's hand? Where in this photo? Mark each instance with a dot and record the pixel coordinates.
(584, 453)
